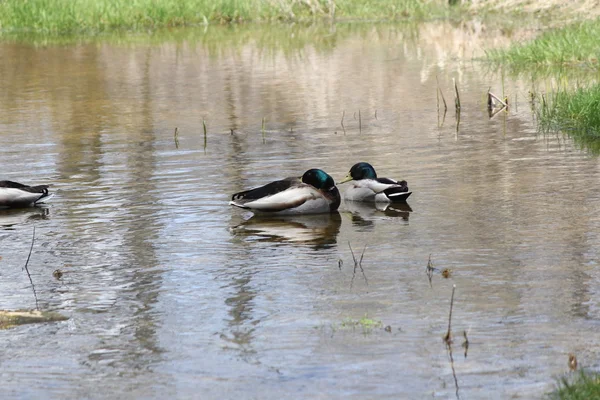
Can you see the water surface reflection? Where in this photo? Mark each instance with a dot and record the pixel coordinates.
(171, 292)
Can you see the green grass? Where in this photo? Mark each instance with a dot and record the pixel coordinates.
(96, 16)
(571, 52)
(583, 387)
(575, 44)
(575, 113)
(367, 324)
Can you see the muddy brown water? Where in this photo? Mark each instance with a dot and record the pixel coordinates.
(170, 292)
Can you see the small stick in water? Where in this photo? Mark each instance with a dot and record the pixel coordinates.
(263, 129)
(204, 126)
(176, 138)
(27, 270)
(359, 122)
(448, 336)
(457, 99)
(343, 114)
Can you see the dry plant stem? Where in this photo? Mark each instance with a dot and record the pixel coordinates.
(343, 114)
(466, 343)
(448, 337)
(263, 129)
(453, 370)
(492, 97)
(204, 127)
(358, 264)
(429, 271)
(354, 258)
(359, 123)
(27, 270)
(176, 138)
(441, 94)
(457, 99)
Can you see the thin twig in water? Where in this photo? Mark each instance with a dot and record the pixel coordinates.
(343, 114)
(466, 343)
(448, 337)
(442, 94)
(362, 255)
(352, 252)
(263, 129)
(449, 347)
(457, 124)
(429, 271)
(358, 264)
(361, 267)
(492, 98)
(204, 127)
(176, 138)
(457, 99)
(375, 114)
(359, 123)
(27, 269)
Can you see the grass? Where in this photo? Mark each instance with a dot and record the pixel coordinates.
(97, 16)
(574, 113)
(367, 324)
(559, 52)
(576, 44)
(584, 386)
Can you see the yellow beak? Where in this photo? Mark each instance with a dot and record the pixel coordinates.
(346, 179)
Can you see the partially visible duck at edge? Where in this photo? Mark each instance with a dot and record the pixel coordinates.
(14, 194)
(366, 186)
(312, 193)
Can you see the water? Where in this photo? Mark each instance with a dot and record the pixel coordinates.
(171, 292)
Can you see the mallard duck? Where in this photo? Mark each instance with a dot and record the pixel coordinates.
(313, 193)
(366, 186)
(14, 194)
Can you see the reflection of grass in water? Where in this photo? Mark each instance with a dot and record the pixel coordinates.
(94, 16)
(574, 113)
(583, 387)
(217, 40)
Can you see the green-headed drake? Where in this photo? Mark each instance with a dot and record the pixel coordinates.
(366, 186)
(312, 193)
(14, 194)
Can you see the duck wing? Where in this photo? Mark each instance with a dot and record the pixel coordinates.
(292, 197)
(267, 190)
(31, 189)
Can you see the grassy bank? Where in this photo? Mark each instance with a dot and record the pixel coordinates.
(572, 51)
(94, 16)
(574, 45)
(583, 387)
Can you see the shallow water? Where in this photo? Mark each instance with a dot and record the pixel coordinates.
(171, 292)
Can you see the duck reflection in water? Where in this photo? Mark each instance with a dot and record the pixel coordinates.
(320, 230)
(10, 217)
(363, 214)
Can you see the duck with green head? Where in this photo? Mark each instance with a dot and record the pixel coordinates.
(366, 186)
(312, 193)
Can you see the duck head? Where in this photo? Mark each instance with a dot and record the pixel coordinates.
(361, 170)
(325, 183)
